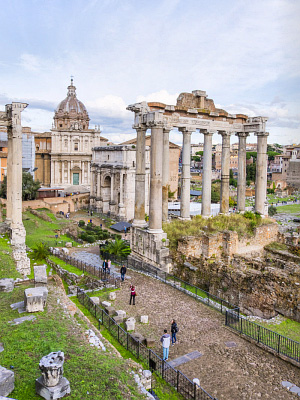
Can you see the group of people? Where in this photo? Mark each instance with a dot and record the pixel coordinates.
(106, 266)
(166, 339)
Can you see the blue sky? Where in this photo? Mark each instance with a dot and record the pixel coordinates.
(244, 54)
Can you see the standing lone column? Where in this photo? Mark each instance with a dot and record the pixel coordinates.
(139, 203)
(185, 174)
(241, 182)
(206, 176)
(224, 198)
(9, 168)
(165, 174)
(155, 204)
(261, 174)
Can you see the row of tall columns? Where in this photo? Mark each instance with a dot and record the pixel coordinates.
(206, 175)
(241, 181)
(225, 167)
(165, 174)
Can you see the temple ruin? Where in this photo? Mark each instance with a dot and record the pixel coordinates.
(192, 112)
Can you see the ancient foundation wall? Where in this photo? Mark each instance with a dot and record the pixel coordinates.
(226, 243)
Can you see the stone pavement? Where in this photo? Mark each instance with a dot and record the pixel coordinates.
(184, 359)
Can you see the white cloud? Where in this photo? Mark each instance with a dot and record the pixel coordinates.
(109, 106)
(162, 96)
(30, 62)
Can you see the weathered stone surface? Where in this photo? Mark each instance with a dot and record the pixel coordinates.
(118, 319)
(137, 337)
(130, 324)
(6, 285)
(18, 321)
(52, 368)
(146, 379)
(6, 398)
(95, 300)
(149, 342)
(144, 319)
(69, 244)
(1, 347)
(7, 381)
(35, 299)
(40, 274)
(112, 296)
(121, 313)
(72, 290)
(106, 304)
(18, 306)
(54, 392)
(110, 311)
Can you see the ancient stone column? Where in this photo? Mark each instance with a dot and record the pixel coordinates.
(185, 174)
(112, 175)
(241, 182)
(206, 176)
(165, 174)
(139, 203)
(261, 205)
(155, 206)
(224, 198)
(98, 193)
(9, 169)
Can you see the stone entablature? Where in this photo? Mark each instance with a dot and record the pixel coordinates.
(226, 243)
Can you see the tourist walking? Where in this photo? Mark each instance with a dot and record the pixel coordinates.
(104, 266)
(108, 266)
(123, 272)
(165, 340)
(174, 330)
(132, 295)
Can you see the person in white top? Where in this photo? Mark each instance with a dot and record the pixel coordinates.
(165, 340)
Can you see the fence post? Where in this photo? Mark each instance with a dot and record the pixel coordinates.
(221, 306)
(138, 352)
(226, 321)
(163, 369)
(195, 391)
(99, 323)
(127, 341)
(278, 345)
(177, 383)
(109, 323)
(241, 325)
(118, 333)
(102, 318)
(149, 358)
(207, 298)
(258, 334)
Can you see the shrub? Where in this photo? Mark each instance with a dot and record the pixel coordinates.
(272, 211)
(40, 251)
(81, 223)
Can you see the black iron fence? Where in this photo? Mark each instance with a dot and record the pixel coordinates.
(107, 278)
(273, 340)
(188, 389)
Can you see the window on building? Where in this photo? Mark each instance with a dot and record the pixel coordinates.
(75, 146)
(60, 125)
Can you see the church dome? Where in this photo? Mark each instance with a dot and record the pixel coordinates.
(71, 113)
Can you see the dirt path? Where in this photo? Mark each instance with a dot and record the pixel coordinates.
(241, 372)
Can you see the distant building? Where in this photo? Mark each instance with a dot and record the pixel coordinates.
(72, 143)
(43, 157)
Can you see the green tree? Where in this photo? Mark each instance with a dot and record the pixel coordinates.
(232, 180)
(29, 187)
(40, 251)
(196, 158)
(252, 154)
(199, 153)
(272, 154)
(215, 192)
(251, 172)
(119, 248)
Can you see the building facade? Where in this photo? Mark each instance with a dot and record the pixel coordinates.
(72, 143)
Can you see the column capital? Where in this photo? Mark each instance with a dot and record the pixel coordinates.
(242, 134)
(140, 127)
(261, 134)
(187, 130)
(206, 132)
(225, 133)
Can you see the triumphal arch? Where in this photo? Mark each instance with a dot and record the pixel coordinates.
(192, 112)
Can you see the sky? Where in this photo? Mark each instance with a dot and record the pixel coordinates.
(244, 53)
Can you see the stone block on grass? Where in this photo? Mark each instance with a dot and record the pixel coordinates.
(112, 296)
(110, 311)
(6, 285)
(7, 381)
(95, 300)
(72, 290)
(121, 313)
(137, 337)
(149, 342)
(144, 319)
(35, 299)
(118, 319)
(130, 324)
(105, 304)
(40, 274)
(69, 244)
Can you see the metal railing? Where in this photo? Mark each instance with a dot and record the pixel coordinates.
(107, 278)
(273, 340)
(188, 389)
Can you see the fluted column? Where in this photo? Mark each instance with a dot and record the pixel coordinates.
(241, 182)
(185, 174)
(98, 192)
(93, 184)
(139, 202)
(224, 198)
(261, 174)
(112, 186)
(155, 206)
(8, 174)
(206, 175)
(165, 174)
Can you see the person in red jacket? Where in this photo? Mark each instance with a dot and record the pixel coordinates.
(132, 295)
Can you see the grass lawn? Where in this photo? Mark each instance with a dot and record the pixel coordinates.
(288, 328)
(93, 374)
(38, 230)
(67, 267)
(291, 208)
(7, 264)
